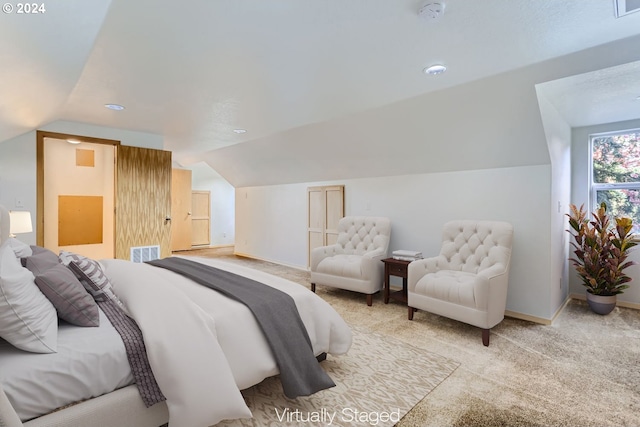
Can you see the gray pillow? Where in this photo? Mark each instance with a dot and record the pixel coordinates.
(68, 296)
(90, 274)
(41, 260)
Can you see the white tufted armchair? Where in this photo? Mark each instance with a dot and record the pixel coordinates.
(353, 262)
(468, 280)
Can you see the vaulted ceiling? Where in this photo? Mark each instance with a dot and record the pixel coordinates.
(194, 71)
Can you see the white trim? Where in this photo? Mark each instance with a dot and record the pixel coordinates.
(297, 267)
(625, 304)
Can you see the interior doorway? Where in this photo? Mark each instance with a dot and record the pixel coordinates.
(76, 194)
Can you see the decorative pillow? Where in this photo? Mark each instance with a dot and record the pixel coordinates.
(28, 320)
(40, 261)
(68, 296)
(35, 249)
(91, 276)
(19, 248)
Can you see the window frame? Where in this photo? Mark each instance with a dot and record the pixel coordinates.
(595, 187)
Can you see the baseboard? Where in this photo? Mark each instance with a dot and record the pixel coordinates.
(224, 245)
(297, 267)
(528, 317)
(543, 321)
(559, 310)
(625, 304)
(536, 319)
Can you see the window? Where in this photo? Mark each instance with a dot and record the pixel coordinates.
(615, 172)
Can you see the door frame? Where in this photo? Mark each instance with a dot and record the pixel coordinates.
(40, 136)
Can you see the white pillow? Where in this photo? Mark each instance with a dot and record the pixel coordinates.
(28, 320)
(22, 250)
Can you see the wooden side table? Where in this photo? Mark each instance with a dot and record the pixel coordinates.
(395, 267)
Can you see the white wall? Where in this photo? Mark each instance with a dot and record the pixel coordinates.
(580, 160)
(558, 134)
(271, 220)
(18, 161)
(18, 178)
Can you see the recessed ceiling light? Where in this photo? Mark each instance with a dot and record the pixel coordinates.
(240, 130)
(115, 107)
(435, 69)
(74, 141)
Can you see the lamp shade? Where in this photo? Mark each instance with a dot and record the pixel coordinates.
(20, 222)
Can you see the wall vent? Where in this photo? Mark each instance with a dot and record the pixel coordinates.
(625, 7)
(145, 253)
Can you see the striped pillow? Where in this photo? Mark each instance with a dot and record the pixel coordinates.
(91, 276)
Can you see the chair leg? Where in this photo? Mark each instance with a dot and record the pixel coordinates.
(369, 300)
(411, 311)
(313, 287)
(485, 337)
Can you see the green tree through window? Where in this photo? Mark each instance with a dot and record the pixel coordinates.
(616, 174)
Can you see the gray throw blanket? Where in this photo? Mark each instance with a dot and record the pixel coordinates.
(136, 352)
(277, 315)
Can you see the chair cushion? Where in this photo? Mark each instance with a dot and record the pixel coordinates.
(342, 265)
(457, 287)
(359, 235)
(473, 246)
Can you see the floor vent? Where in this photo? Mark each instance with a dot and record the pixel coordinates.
(145, 253)
(625, 7)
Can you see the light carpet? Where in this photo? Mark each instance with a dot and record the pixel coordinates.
(580, 371)
(377, 382)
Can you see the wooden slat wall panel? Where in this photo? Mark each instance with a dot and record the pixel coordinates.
(143, 194)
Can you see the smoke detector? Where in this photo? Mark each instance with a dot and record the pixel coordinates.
(431, 11)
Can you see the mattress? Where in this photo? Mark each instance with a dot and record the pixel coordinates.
(89, 362)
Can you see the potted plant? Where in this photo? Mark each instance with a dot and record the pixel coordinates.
(601, 250)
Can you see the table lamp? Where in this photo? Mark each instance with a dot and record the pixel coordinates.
(20, 222)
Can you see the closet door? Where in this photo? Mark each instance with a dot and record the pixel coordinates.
(325, 208)
(181, 214)
(201, 218)
(334, 200)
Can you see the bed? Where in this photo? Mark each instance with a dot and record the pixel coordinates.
(203, 349)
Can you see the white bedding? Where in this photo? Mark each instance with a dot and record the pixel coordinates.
(203, 347)
(89, 362)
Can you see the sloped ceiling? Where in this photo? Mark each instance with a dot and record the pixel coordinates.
(313, 82)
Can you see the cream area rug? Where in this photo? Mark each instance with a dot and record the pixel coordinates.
(377, 383)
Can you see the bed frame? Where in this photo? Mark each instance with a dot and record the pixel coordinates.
(122, 407)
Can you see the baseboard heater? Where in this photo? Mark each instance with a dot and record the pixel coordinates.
(145, 253)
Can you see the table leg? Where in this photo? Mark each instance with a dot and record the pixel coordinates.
(386, 285)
